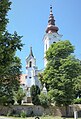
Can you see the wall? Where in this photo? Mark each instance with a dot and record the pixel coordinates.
(32, 110)
(38, 110)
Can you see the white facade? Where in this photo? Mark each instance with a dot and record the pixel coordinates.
(31, 71)
(31, 76)
(49, 39)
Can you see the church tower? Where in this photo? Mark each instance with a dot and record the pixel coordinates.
(31, 71)
(51, 35)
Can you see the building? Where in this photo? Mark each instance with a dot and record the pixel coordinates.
(51, 35)
(31, 76)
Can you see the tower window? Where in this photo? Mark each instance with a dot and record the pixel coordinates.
(46, 46)
(30, 64)
(54, 42)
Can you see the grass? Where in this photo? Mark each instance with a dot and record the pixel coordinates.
(46, 117)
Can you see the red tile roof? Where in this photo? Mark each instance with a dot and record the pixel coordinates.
(23, 78)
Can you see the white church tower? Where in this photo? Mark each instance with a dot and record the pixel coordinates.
(31, 76)
(51, 35)
(31, 71)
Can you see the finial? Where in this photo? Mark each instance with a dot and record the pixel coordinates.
(51, 17)
(50, 8)
(51, 28)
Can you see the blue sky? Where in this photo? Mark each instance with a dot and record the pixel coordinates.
(30, 18)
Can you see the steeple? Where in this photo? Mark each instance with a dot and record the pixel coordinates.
(31, 52)
(51, 35)
(51, 28)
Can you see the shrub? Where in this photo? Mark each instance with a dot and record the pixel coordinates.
(77, 101)
(44, 100)
(19, 95)
(3, 100)
(23, 114)
(9, 113)
(35, 100)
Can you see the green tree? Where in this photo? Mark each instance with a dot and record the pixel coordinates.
(62, 73)
(4, 8)
(19, 95)
(44, 100)
(10, 64)
(35, 91)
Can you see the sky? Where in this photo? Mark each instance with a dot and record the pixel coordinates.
(30, 18)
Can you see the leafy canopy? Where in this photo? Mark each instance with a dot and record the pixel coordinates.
(10, 64)
(62, 73)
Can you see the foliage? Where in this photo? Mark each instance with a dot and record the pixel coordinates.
(78, 87)
(19, 95)
(23, 114)
(62, 73)
(77, 101)
(51, 96)
(40, 76)
(10, 64)
(35, 91)
(44, 100)
(4, 8)
(9, 113)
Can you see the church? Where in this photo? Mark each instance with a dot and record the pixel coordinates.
(31, 77)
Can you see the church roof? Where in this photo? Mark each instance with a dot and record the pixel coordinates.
(51, 23)
(23, 78)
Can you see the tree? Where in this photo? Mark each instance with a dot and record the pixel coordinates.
(44, 100)
(19, 95)
(4, 8)
(62, 72)
(35, 91)
(10, 64)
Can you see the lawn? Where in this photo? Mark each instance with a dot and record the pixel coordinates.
(47, 117)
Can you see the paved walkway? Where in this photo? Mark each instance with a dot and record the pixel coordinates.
(5, 117)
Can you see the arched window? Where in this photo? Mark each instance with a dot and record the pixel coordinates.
(30, 64)
(54, 42)
(46, 46)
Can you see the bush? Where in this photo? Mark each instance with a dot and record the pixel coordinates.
(77, 101)
(19, 95)
(44, 100)
(23, 114)
(3, 100)
(35, 100)
(9, 113)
